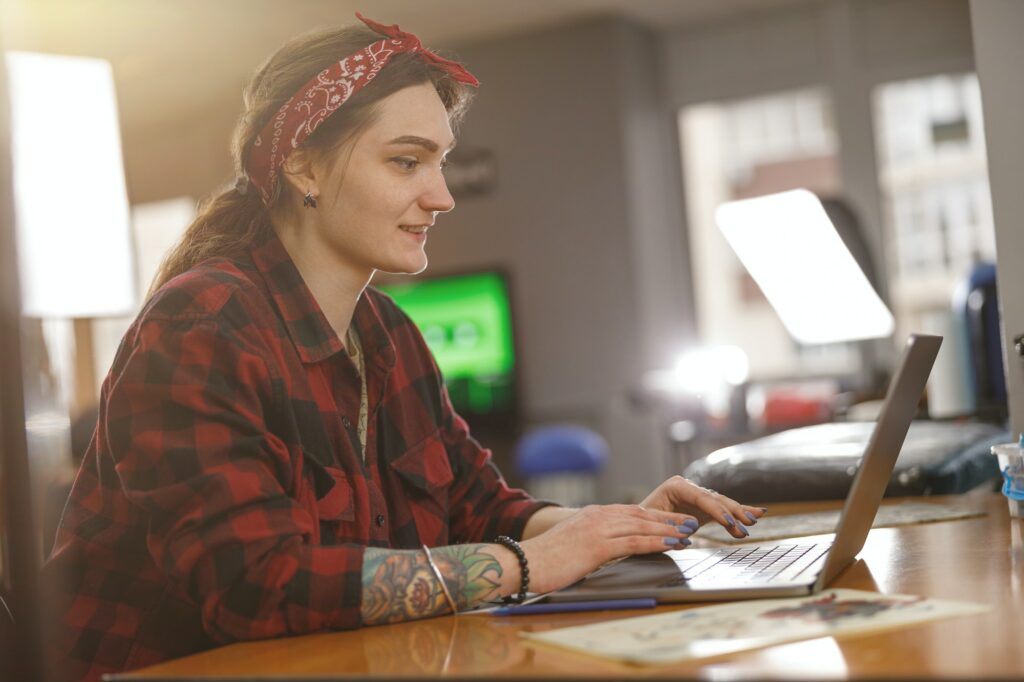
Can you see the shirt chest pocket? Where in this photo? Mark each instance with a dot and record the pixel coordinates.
(328, 497)
(426, 475)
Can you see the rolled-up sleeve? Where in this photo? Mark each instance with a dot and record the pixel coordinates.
(186, 427)
(482, 504)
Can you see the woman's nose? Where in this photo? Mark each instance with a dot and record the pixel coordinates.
(436, 197)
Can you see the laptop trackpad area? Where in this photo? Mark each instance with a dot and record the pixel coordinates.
(644, 569)
(639, 575)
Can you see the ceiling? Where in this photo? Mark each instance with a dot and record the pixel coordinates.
(171, 56)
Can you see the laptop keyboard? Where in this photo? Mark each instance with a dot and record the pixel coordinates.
(781, 563)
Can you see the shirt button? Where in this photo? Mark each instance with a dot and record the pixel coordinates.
(380, 520)
(346, 422)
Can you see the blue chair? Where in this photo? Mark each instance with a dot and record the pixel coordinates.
(561, 463)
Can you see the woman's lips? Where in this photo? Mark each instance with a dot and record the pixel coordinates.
(417, 231)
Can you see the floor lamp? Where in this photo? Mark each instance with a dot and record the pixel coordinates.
(65, 252)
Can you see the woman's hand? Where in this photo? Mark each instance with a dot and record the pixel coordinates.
(597, 534)
(677, 494)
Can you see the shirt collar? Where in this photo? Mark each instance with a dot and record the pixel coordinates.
(378, 347)
(311, 333)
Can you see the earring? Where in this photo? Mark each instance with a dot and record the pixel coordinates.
(309, 201)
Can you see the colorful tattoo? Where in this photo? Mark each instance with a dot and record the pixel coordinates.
(472, 574)
(398, 585)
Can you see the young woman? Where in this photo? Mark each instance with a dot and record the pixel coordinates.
(276, 453)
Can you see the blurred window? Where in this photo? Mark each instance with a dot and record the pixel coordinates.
(933, 176)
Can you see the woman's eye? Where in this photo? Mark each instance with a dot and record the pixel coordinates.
(406, 163)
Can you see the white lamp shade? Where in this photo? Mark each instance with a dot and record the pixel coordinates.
(791, 249)
(71, 206)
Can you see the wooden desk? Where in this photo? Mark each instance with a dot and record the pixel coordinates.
(978, 559)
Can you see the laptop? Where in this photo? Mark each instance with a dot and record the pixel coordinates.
(790, 568)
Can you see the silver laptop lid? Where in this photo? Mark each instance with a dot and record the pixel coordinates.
(880, 455)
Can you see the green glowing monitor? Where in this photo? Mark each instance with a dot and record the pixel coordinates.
(467, 323)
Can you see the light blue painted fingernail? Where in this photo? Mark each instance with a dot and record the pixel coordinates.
(730, 519)
(743, 528)
(686, 542)
(750, 517)
(671, 541)
(685, 530)
(692, 523)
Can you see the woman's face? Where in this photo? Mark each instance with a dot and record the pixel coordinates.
(378, 201)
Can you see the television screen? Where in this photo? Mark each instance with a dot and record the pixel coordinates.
(467, 323)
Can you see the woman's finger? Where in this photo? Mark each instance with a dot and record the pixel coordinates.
(752, 514)
(638, 544)
(624, 526)
(735, 517)
(685, 494)
(741, 513)
(682, 495)
(718, 508)
(674, 518)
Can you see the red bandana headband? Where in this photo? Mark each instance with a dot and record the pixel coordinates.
(326, 91)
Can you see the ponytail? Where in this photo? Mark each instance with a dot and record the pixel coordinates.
(227, 225)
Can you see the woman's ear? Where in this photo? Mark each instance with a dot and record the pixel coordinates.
(301, 173)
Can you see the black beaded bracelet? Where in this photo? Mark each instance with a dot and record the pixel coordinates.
(524, 571)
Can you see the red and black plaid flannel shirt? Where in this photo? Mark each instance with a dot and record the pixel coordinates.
(224, 497)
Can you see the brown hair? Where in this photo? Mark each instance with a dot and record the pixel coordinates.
(229, 221)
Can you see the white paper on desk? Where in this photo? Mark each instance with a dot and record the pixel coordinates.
(723, 629)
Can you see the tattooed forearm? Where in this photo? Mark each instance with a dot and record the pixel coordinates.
(470, 571)
(399, 584)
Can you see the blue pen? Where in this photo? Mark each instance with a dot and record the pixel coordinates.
(575, 606)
